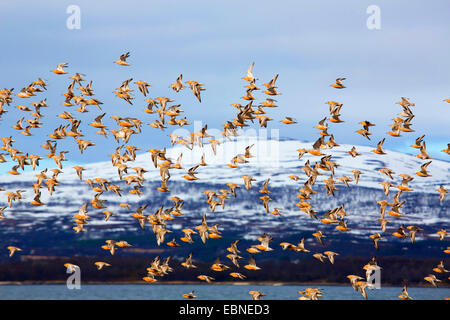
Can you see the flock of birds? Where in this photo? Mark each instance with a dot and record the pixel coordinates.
(166, 116)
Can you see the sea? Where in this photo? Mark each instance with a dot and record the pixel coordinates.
(205, 292)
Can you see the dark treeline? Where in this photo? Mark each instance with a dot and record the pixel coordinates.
(395, 270)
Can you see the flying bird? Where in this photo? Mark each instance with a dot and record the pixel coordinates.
(123, 59)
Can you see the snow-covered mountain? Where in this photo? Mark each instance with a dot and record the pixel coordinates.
(244, 215)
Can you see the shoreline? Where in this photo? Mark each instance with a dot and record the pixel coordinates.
(243, 283)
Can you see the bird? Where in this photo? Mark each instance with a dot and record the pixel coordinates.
(319, 235)
(375, 238)
(191, 173)
(353, 152)
(379, 149)
(387, 185)
(442, 233)
(405, 295)
(173, 243)
(447, 151)
(335, 113)
(412, 232)
(266, 200)
(339, 84)
(431, 278)
(387, 172)
(100, 265)
(301, 246)
(149, 279)
(2, 209)
(364, 133)
(418, 142)
(37, 200)
(71, 268)
(233, 247)
(310, 294)
(256, 295)
(263, 120)
(442, 191)
(356, 174)
(203, 230)
(271, 83)
(423, 152)
(206, 278)
(189, 295)
(60, 68)
(400, 233)
(276, 212)
(123, 59)
(322, 125)
(178, 85)
(247, 153)
(288, 120)
(331, 255)
(362, 285)
(250, 77)
(188, 262)
(143, 87)
(404, 102)
(238, 275)
(108, 214)
(406, 178)
(383, 223)
(196, 88)
(423, 170)
(287, 246)
(265, 240)
(12, 250)
(440, 268)
(319, 257)
(248, 181)
(251, 264)
(122, 244)
(269, 103)
(353, 281)
(218, 266)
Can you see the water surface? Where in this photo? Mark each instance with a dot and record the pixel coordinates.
(208, 292)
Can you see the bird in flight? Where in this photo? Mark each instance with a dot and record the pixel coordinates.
(123, 59)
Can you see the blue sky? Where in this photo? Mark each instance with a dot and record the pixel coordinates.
(213, 42)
